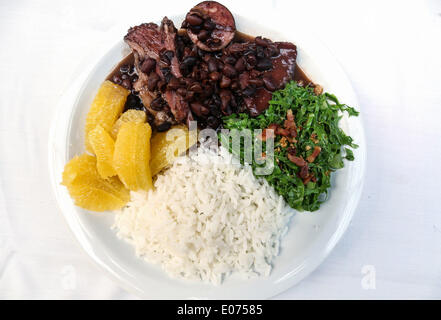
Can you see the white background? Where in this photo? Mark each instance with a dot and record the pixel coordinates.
(391, 51)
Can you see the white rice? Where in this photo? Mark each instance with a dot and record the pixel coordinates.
(207, 217)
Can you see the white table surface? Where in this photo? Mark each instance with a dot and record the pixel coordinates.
(391, 52)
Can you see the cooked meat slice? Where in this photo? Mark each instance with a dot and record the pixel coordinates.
(146, 40)
(178, 106)
(149, 41)
(281, 73)
(141, 85)
(259, 102)
(161, 117)
(210, 26)
(283, 65)
(168, 32)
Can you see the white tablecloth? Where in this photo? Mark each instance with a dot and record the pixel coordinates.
(392, 54)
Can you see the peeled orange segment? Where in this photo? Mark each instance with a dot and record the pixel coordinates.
(89, 190)
(103, 147)
(95, 199)
(132, 155)
(131, 115)
(168, 145)
(106, 108)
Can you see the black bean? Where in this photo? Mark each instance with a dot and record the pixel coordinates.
(216, 99)
(214, 110)
(162, 85)
(166, 72)
(187, 64)
(251, 60)
(203, 75)
(184, 24)
(157, 104)
(209, 25)
(195, 74)
(225, 96)
(126, 83)
(164, 126)
(229, 59)
(179, 47)
(132, 70)
(235, 86)
(272, 50)
(260, 53)
(249, 91)
(194, 20)
(215, 76)
(212, 65)
(269, 84)
(203, 35)
(240, 64)
(213, 122)
(182, 92)
(189, 96)
(173, 84)
(256, 82)
(208, 89)
(201, 53)
(153, 81)
(261, 41)
(194, 51)
(124, 68)
(148, 65)
(195, 29)
(229, 71)
(196, 87)
(264, 64)
(236, 48)
(167, 56)
(134, 78)
(199, 109)
(255, 74)
(213, 42)
(116, 79)
(133, 102)
(243, 80)
(225, 82)
(233, 101)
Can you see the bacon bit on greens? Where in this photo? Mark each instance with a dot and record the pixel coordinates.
(309, 121)
(268, 133)
(314, 154)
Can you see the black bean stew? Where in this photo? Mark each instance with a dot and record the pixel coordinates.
(175, 79)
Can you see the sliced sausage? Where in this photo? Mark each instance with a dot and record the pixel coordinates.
(210, 26)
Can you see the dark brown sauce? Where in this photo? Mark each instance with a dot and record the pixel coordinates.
(299, 74)
(242, 37)
(129, 59)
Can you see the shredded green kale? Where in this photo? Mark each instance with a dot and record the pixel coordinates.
(317, 120)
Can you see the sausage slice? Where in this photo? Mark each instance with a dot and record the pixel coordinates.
(210, 26)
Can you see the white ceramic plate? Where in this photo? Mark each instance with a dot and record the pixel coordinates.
(311, 236)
